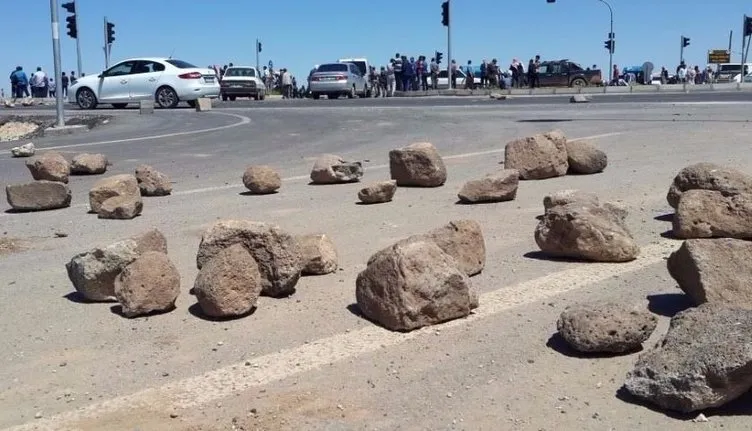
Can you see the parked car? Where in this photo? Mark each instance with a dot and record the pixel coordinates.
(443, 81)
(565, 73)
(338, 79)
(731, 72)
(242, 81)
(364, 68)
(167, 81)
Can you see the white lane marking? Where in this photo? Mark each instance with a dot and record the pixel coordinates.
(375, 167)
(221, 383)
(243, 120)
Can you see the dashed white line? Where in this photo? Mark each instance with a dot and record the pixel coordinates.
(221, 383)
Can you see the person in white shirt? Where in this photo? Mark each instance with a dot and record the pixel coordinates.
(39, 83)
(286, 84)
(52, 87)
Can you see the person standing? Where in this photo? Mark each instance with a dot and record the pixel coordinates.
(407, 74)
(434, 74)
(398, 64)
(64, 84)
(21, 83)
(483, 74)
(286, 84)
(52, 88)
(38, 83)
(453, 71)
(391, 79)
(469, 76)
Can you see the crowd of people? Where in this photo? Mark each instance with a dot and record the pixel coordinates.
(38, 84)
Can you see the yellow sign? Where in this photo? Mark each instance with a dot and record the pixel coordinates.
(718, 56)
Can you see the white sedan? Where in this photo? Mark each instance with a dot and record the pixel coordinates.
(165, 80)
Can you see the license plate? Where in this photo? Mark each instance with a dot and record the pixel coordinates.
(209, 80)
(236, 85)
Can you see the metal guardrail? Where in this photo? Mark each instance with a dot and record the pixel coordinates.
(566, 91)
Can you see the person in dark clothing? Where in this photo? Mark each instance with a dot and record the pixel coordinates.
(64, 84)
(469, 76)
(483, 74)
(408, 74)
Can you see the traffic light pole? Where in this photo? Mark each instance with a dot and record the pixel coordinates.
(611, 38)
(257, 56)
(78, 44)
(58, 68)
(106, 46)
(449, 43)
(681, 50)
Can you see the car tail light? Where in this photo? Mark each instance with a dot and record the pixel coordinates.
(191, 75)
(315, 78)
(341, 77)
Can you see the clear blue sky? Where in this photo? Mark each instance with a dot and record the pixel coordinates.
(300, 33)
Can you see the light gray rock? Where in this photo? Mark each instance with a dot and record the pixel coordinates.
(569, 196)
(497, 187)
(579, 98)
(25, 150)
(538, 157)
(417, 165)
(604, 327)
(331, 169)
(585, 158)
(38, 196)
(704, 361)
(413, 285)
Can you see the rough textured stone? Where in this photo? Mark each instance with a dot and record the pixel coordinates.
(569, 196)
(704, 361)
(377, 193)
(413, 285)
(229, 284)
(50, 166)
(121, 207)
(261, 180)
(25, 150)
(151, 182)
(319, 254)
(149, 284)
(38, 196)
(417, 165)
(461, 239)
(585, 232)
(585, 158)
(276, 252)
(117, 185)
(579, 98)
(498, 187)
(710, 214)
(538, 157)
(93, 272)
(708, 176)
(718, 271)
(331, 169)
(89, 164)
(606, 327)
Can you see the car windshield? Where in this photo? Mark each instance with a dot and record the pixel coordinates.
(334, 67)
(731, 68)
(241, 71)
(574, 67)
(181, 64)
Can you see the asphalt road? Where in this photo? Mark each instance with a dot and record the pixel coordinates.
(309, 362)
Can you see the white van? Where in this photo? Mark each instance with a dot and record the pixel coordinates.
(732, 72)
(364, 68)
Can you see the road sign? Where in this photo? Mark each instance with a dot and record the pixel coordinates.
(718, 56)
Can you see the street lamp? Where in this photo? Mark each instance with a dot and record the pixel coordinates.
(610, 38)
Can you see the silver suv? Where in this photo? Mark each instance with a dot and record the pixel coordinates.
(338, 79)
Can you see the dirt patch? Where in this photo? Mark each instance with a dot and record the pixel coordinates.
(10, 245)
(16, 127)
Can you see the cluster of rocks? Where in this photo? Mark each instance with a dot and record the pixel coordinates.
(423, 279)
(120, 196)
(551, 154)
(705, 358)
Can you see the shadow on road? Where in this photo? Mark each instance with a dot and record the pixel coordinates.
(196, 311)
(668, 304)
(558, 344)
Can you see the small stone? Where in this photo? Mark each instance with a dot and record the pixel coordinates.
(332, 169)
(376, 193)
(26, 150)
(38, 415)
(152, 182)
(319, 254)
(173, 415)
(89, 164)
(700, 418)
(261, 180)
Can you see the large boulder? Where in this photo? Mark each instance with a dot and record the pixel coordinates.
(229, 284)
(460, 239)
(38, 196)
(331, 169)
(116, 185)
(319, 254)
(121, 207)
(704, 361)
(417, 165)
(50, 166)
(569, 196)
(538, 157)
(93, 272)
(89, 164)
(604, 327)
(593, 233)
(276, 252)
(261, 180)
(413, 285)
(498, 187)
(151, 182)
(711, 214)
(708, 176)
(718, 271)
(149, 284)
(585, 158)
(377, 193)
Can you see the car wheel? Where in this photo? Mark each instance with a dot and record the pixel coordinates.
(579, 82)
(86, 99)
(191, 103)
(263, 96)
(232, 98)
(119, 105)
(315, 96)
(352, 93)
(224, 98)
(167, 97)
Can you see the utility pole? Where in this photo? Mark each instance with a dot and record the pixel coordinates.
(106, 46)
(56, 55)
(73, 29)
(611, 39)
(446, 21)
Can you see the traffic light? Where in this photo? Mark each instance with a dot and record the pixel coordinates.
(110, 32)
(72, 27)
(439, 55)
(747, 25)
(685, 42)
(445, 13)
(610, 45)
(259, 46)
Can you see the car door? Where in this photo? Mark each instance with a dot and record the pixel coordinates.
(546, 74)
(114, 82)
(144, 79)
